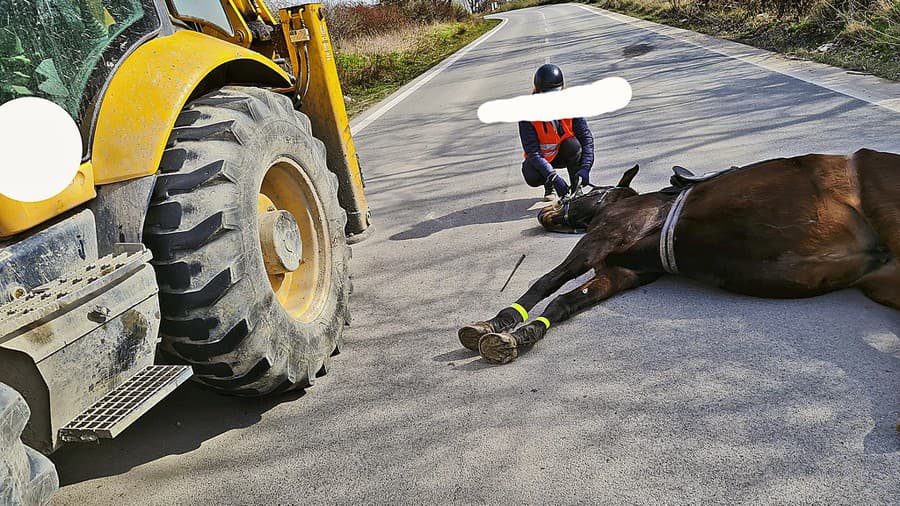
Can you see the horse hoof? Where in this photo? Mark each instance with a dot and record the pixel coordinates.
(498, 348)
(471, 334)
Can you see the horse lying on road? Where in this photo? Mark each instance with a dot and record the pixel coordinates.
(782, 228)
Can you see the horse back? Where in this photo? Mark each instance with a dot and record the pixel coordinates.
(791, 224)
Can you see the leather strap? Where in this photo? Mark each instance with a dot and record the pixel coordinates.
(667, 236)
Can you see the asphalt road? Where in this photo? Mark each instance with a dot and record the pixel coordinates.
(671, 393)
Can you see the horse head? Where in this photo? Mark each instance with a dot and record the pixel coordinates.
(573, 213)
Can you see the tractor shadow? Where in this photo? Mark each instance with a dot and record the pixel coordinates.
(179, 424)
(491, 212)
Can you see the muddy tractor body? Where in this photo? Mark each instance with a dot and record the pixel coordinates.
(205, 233)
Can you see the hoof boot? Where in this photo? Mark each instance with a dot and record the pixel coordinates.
(471, 334)
(498, 348)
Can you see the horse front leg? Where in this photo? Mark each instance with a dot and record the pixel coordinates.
(501, 348)
(573, 266)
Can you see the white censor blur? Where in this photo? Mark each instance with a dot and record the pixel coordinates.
(604, 96)
(41, 147)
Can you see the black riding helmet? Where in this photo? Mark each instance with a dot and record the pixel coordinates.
(548, 78)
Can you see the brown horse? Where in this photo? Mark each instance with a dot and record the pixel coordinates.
(789, 227)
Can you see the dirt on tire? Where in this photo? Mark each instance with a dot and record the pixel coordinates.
(26, 476)
(219, 311)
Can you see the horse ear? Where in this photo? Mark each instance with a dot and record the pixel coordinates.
(629, 174)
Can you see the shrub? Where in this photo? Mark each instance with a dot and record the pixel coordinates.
(354, 20)
(347, 21)
(377, 19)
(432, 11)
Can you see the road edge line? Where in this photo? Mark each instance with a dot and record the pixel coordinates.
(884, 100)
(401, 94)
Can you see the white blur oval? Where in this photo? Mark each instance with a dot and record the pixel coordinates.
(41, 148)
(604, 96)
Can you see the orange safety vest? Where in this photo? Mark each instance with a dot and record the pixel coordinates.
(549, 138)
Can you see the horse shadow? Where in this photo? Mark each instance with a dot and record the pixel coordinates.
(829, 349)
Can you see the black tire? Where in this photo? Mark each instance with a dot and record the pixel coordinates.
(219, 311)
(26, 476)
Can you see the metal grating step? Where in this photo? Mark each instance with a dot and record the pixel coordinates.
(57, 295)
(118, 409)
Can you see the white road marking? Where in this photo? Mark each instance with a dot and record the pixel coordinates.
(365, 122)
(546, 41)
(771, 62)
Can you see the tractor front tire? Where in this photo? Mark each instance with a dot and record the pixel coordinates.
(26, 476)
(236, 154)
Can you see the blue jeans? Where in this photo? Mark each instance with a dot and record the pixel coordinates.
(569, 157)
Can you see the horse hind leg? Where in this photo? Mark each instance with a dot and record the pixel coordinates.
(502, 348)
(879, 189)
(883, 285)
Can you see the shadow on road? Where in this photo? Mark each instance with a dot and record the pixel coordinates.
(826, 344)
(178, 425)
(491, 212)
(451, 356)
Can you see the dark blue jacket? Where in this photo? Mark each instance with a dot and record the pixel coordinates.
(579, 127)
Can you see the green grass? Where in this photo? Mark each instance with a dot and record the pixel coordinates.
(372, 68)
(864, 41)
(868, 45)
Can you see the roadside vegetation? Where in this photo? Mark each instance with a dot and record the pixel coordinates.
(859, 35)
(380, 47)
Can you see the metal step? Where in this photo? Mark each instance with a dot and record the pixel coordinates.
(118, 409)
(48, 300)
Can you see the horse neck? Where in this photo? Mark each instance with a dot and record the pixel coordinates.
(650, 209)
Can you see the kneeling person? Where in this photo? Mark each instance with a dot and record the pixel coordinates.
(548, 145)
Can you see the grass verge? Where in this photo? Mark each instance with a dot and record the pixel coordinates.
(371, 68)
(858, 36)
(867, 45)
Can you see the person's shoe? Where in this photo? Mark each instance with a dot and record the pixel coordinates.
(549, 193)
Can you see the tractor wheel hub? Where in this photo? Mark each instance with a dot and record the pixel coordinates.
(280, 240)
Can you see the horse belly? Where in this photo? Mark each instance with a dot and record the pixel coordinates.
(799, 252)
(789, 276)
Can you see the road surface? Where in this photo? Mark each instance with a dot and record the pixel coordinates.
(670, 393)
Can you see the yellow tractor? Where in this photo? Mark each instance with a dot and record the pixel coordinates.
(206, 230)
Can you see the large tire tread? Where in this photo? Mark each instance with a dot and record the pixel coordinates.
(26, 476)
(217, 313)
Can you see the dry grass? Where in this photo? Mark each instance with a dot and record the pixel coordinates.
(380, 46)
(863, 35)
(403, 40)
(371, 67)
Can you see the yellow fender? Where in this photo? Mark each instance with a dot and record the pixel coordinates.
(151, 87)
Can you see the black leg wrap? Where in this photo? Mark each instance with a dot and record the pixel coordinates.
(505, 320)
(470, 335)
(530, 334)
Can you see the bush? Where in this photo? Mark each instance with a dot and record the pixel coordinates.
(348, 21)
(353, 20)
(433, 11)
(341, 25)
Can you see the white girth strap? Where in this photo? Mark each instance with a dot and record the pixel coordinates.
(667, 237)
